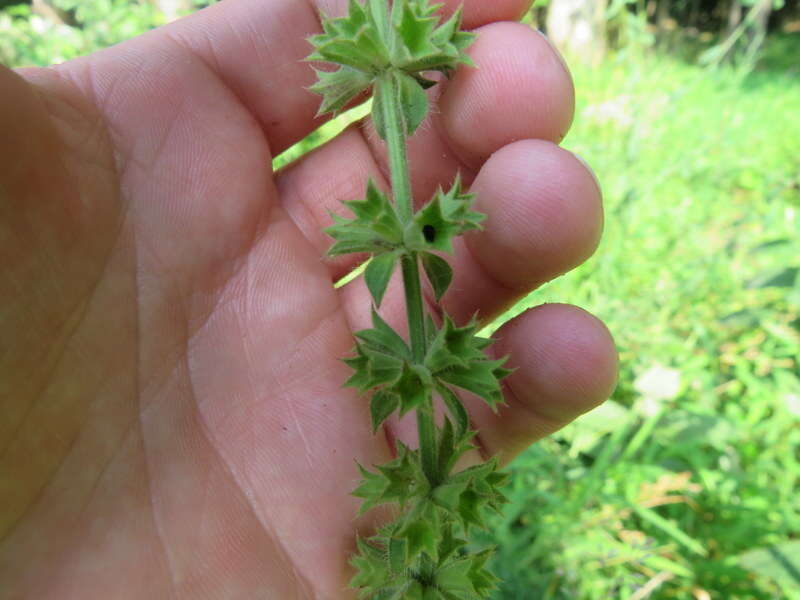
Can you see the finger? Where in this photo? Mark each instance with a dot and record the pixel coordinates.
(257, 48)
(313, 187)
(566, 364)
(544, 217)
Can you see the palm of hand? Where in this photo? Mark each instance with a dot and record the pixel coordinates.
(177, 426)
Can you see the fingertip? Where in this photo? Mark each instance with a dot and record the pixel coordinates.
(566, 360)
(544, 214)
(565, 364)
(519, 90)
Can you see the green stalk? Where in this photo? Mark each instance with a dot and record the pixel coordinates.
(394, 122)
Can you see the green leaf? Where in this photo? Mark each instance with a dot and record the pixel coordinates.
(455, 408)
(432, 593)
(398, 554)
(439, 273)
(448, 494)
(397, 481)
(430, 328)
(453, 445)
(421, 45)
(414, 591)
(372, 368)
(413, 102)
(455, 576)
(415, 23)
(461, 577)
(378, 273)
(456, 356)
(467, 578)
(375, 227)
(449, 30)
(445, 443)
(412, 388)
(380, 17)
(449, 545)
(363, 52)
(420, 536)
(370, 566)
(371, 489)
(455, 346)
(482, 378)
(483, 581)
(447, 216)
(339, 88)
(470, 493)
(404, 477)
(379, 111)
(382, 338)
(469, 508)
(354, 40)
(371, 42)
(382, 405)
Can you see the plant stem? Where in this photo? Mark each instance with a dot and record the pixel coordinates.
(414, 307)
(394, 124)
(386, 86)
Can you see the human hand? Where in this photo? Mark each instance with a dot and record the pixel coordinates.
(173, 422)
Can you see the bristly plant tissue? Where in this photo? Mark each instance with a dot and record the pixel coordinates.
(422, 554)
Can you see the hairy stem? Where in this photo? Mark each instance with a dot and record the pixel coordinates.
(401, 188)
(386, 86)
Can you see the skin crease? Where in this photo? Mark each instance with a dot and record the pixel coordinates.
(171, 418)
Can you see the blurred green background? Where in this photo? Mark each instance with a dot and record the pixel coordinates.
(686, 484)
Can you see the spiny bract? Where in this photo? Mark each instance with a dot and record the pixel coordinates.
(369, 41)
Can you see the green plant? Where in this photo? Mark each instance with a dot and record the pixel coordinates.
(422, 553)
(28, 39)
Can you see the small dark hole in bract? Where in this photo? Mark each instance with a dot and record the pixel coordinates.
(430, 233)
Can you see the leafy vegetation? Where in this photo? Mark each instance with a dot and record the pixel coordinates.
(28, 39)
(72, 28)
(685, 485)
